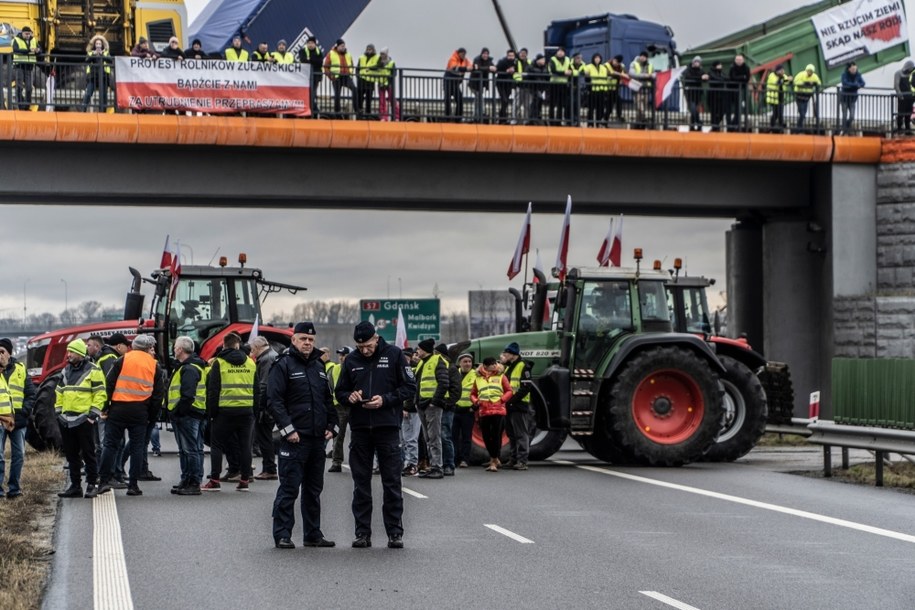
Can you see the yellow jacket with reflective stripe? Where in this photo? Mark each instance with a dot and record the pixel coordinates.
(775, 86)
(16, 385)
(233, 55)
(81, 393)
(19, 44)
(6, 401)
(283, 58)
(805, 85)
(368, 68)
(489, 388)
(136, 379)
(521, 66)
(200, 395)
(427, 382)
(236, 384)
(333, 374)
(514, 377)
(466, 388)
(599, 77)
(558, 68)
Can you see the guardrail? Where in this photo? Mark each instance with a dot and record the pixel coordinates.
(879, 440)
(72, 83)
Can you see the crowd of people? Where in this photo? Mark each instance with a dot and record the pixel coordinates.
(518, 88)
(409, 413)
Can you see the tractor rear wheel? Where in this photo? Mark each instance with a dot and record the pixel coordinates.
(665, 408)
(745, 413)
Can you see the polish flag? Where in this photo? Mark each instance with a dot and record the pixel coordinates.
(603, 256)
(616, 244)
(562, 256)
(400, 339)
(538, 266)
(664, 84)
(166, 256)
(523, 247)
(175, 263)
(255, 330)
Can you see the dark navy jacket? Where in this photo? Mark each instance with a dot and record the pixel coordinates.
(299, 395)
(385, 373)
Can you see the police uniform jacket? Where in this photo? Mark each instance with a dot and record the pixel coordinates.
(299, 395)
(385, 373)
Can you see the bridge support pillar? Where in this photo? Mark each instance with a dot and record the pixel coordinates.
(793, 304)
(745, 281)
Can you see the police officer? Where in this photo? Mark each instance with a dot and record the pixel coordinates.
(376, 380)
(299, 395)
(518, 407)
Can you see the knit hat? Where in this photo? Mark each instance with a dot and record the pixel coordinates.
(908, 66)
(383, 51)
(513, 348)
(143, 342)
(811, 68)
(304, 328)
(363, 332)
(77, 346)
(25, 29)
(618, 58)
(281, 42)
(369, 46)
(7, 344)
(142, 40)
(779, 67)
(696, 59)
(339, 42)
(442, 349)
(465, 355)
(311, 39)
(427, 345)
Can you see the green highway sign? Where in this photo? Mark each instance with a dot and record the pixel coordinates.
(422, 317)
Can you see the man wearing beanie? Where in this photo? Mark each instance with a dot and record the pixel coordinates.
(231, 386)
(693, 79)
(136, 388)
(431, 392)
(313, 55)
(367, 74)
(21, 397)
(338, 66)
(281, 55)
(375, 380)
(518, 411)
(80, 399)
(299, 397)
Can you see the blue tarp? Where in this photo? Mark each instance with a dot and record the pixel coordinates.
(271, 20)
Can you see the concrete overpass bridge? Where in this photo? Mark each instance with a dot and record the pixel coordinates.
(803, 259)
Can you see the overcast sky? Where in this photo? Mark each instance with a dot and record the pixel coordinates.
(91, 248)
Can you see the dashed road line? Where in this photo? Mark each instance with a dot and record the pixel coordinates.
(509, 533)
(861, 527)
(668, 600)
(110, 585)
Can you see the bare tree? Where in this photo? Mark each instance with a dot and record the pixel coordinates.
(89, 310)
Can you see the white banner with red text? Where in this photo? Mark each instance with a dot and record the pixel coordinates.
(860, 28)
(213, 86)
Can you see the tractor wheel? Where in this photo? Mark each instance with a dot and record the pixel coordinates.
(665, 407)
(602, 447)
(544, 443)
(776, 381)
(745, 413)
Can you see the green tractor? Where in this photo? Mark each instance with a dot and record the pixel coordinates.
(609, 370)
(757, 391)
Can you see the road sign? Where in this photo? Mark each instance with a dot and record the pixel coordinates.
(422, 317)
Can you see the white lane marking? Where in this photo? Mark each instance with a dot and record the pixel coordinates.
(509, 533)
(410, 492)
(877, 531)
(668, 600)
(111, 588)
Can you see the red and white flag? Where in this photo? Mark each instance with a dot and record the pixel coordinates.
(538, 266)
(166, 262)
(603, 255)
(523, 247)
(664, 84)
(255, 330)
(175, 264)
(616, 244)
(562, 256)
(400, 339)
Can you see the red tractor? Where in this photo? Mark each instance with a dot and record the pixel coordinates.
(757, 391)
(202, 302)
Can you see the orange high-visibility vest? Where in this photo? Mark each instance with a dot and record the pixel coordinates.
(138, 374)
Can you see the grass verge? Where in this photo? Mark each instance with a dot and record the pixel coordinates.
(770, 439)
(27, 532)
(900, 475)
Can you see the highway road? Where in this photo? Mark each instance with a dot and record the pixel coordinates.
(572, 532)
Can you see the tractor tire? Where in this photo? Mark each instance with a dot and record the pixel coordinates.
(745, 413)
(776, 381)
(43, 433)
(602, 447)
(666, 407)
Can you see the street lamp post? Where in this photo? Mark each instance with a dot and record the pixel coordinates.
(66, 295)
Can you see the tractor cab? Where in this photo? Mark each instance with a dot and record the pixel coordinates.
(689, 306)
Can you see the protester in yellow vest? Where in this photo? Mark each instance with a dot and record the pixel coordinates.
(16, 383)
(462, 430)
(431, 392)
(281, 55)
(491, 390)
(25, 58)
(187, 410)
(519, 417)
(806, 85)
(235, 52)
(597, 75)
(338, 66)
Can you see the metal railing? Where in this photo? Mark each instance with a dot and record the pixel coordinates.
(72, 83)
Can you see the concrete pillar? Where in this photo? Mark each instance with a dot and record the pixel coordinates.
(793, 304)
(853, 235)
(745, 282)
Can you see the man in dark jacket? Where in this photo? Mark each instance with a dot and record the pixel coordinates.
(483, 66)
(376, 380)
(298, 394)
(22, 393)
(313, 55)
(518, 418)
(231, 387)
(739, 81)
(536, 80)
(505, 82)
(451, 398)
(196, 51)
(264, 355)
(693, 78)
(187, 410)
(719, 94)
